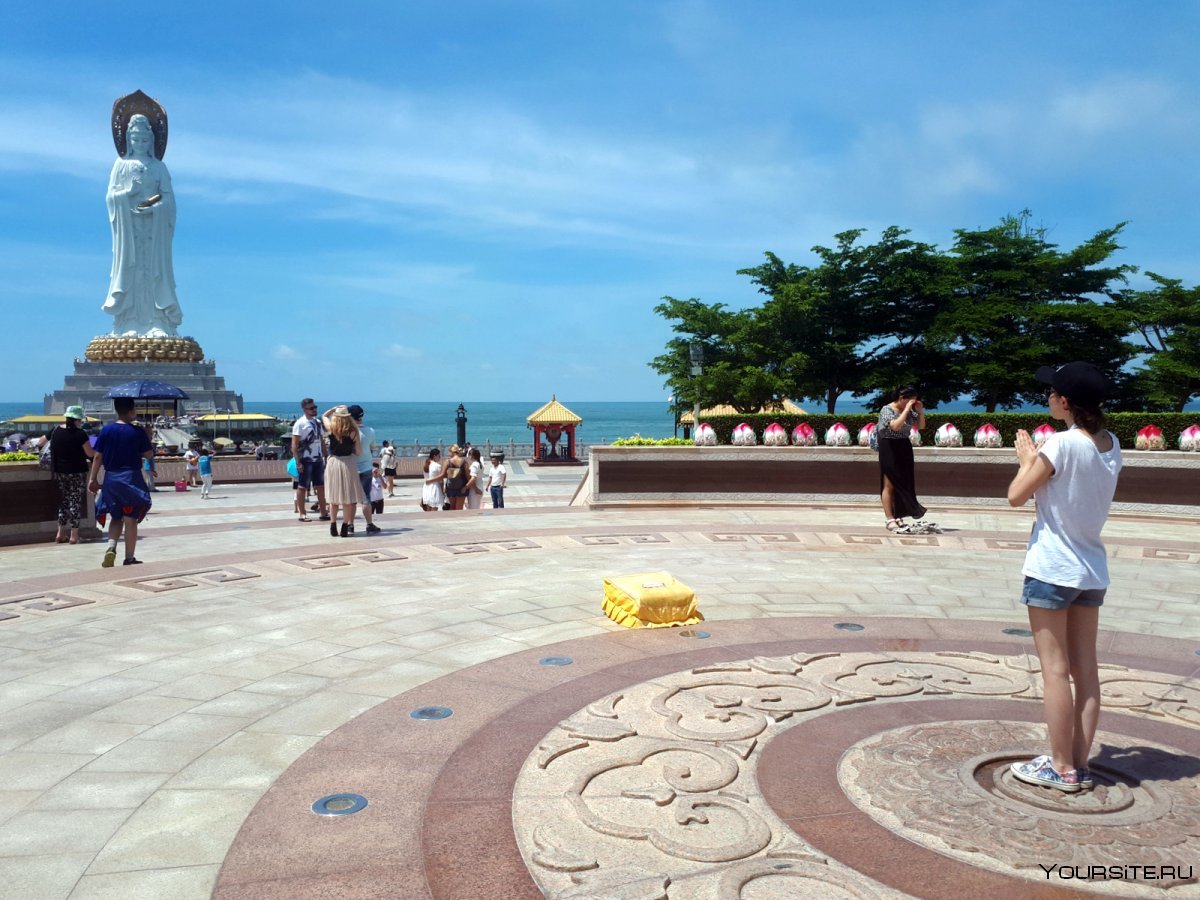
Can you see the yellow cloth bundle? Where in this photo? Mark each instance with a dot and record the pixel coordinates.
(650, 600)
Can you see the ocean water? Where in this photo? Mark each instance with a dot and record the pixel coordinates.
(499, 423)
(429, 423)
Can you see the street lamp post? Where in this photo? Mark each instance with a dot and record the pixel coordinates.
(460, 420)
(696, 355)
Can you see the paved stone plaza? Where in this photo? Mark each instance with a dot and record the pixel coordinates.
(166, 729)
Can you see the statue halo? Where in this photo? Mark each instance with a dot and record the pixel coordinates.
(137, 103)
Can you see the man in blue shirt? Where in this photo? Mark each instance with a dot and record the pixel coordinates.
(120, 448)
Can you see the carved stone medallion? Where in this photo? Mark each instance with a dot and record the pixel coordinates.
(653, 791)
(947, 786)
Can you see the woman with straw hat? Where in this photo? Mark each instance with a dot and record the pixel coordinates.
(70, 451)
(341, 470)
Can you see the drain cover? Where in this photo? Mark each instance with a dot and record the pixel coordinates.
(555, 661)
(432, 712)
(1019, 632)
(694, 633)
(340, 805)
(849, 626)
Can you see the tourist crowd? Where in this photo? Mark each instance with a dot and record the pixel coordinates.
(333, 456)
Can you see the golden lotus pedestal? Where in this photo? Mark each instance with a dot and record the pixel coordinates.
(143, 349)
(111, 360)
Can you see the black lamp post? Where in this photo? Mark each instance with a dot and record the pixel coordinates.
(460, 420)
(696, 357)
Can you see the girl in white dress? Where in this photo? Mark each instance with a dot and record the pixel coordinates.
(433, 495)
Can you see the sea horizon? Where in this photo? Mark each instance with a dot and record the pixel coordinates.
(502, 422)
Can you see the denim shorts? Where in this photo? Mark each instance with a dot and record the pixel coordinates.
(313, 473)
(1054, 596)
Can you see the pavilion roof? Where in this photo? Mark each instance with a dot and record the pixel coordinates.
(236, 417)
(43, 420)
(724, 409)
(553, 413)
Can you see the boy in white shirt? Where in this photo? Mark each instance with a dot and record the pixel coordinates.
(377, 487)
(497, 479)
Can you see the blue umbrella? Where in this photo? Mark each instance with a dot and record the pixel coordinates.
(148, 390)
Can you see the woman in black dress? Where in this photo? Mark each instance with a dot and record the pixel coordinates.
(70, 452)
(897, 488)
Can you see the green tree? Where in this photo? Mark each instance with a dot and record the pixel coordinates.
(737, 367)
(1167, 319)
(1020, 303)
(856, 322)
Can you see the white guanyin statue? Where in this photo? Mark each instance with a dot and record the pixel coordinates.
(141, 209)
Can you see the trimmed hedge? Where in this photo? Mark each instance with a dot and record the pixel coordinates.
(638, 441)
(18, 457)
(1125, 425)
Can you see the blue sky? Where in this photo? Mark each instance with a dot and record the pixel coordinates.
(430, 201)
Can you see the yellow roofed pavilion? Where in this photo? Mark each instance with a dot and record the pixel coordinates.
(553, 421)
(554, 413)
(44, 420)
(236, 417)
(724, 409)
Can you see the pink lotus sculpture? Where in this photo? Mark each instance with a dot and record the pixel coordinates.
(705, 436)
(838, 435)
(914, 438)
(864, 434)
(744, 436)
(1150, 438)
(804, 435)
(775, 435)
(1189, 438)
(1043, 433)
(988, 437)
(947, 436)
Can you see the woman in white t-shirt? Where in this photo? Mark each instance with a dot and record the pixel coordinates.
(191, 466)
(1073, 476)
(475, 479)
(387, 461)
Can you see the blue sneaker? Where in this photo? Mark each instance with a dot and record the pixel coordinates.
(1041, 771)
(1086, 782)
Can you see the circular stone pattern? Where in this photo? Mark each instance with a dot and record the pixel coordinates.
(947, 786)
(655, 789)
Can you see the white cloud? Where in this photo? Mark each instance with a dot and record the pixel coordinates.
(401, 352)
(284, 353)
(952, 149)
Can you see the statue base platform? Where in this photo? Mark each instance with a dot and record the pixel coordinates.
(93, 379)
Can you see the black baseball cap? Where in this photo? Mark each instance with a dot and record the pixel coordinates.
(356, 411)
(1080, 382)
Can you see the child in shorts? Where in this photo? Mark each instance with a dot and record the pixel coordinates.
(378, 485)
(204, 464)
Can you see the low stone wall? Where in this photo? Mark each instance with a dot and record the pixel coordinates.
(1166, 482)
(29, 506)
